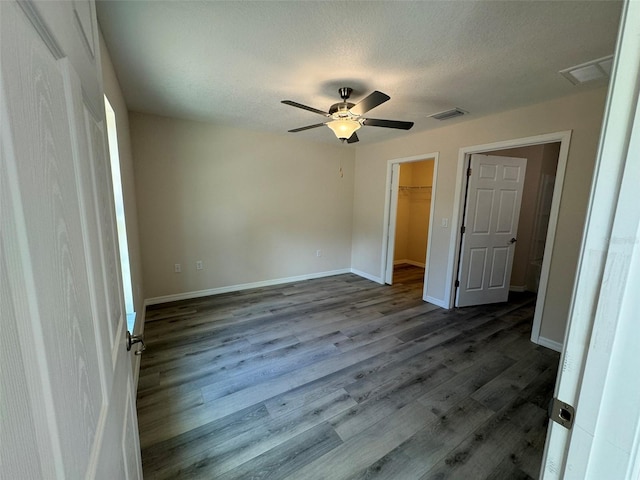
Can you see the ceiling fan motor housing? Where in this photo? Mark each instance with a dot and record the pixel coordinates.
(341, 109)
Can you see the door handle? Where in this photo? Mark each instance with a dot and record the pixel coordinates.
(133, 339)
(513, 240)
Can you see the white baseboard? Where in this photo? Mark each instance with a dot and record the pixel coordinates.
(409, 262)
(242, 286)
(545, 342)
(367, 276)
(436, 301)
(517, 288)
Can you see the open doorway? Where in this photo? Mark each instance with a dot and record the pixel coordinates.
(413, 212)
(547, 156)
(409, 212)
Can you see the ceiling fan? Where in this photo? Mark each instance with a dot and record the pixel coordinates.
(346, 117)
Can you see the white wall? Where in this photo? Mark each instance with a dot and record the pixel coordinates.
(251, 206)
(581, 113)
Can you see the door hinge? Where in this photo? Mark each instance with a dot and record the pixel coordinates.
(457, 283)
(469, 172)
(462, 229)
(562, 413)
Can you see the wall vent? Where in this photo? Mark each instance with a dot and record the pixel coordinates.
(455, 112)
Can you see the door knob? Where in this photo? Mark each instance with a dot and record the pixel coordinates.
(133, 339)
(513, 240)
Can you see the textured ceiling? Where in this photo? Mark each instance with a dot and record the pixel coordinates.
(233, 62)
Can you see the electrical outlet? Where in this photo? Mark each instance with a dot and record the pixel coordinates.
(318, 253)
(177, 268)
(199, 265)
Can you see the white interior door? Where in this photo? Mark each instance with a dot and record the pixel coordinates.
(68, 406)
(494, 195)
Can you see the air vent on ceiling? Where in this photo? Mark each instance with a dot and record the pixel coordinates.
(599, 69)
(455, 112)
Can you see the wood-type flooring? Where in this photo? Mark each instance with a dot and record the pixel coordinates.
(342, 378)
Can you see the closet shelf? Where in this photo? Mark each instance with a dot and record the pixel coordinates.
(415, 187)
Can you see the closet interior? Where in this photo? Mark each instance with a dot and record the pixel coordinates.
(412, 217)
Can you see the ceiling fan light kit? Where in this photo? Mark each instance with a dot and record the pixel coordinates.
(347, 117)
(344, 128)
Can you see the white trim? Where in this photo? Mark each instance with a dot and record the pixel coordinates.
(406, 261)
(563, 156)
(517, 288)
(138, 329)
(367, 276)
(553, 345)
(564, 138)
(243, 286)
(437, 301)
(634, 456)
(434, 191)
(388, 214)
(393, 186)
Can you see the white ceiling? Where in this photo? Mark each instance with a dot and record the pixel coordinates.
(233, 62)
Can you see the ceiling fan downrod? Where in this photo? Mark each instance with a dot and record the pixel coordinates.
(345, 93)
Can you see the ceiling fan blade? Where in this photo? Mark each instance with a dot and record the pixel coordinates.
(374, 122)
(305, 107)
(353, 138)
(306, 128)
(369, 103)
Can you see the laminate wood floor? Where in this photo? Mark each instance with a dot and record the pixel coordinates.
(342, 378)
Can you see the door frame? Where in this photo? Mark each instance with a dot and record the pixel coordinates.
(564, 138)
(394, 194)
(389, 226)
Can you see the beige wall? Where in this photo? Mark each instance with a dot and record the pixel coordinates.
(400, 248)
(414, 206)
(114, 94)
(420, 210)
(251, 206)
(581, 113)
